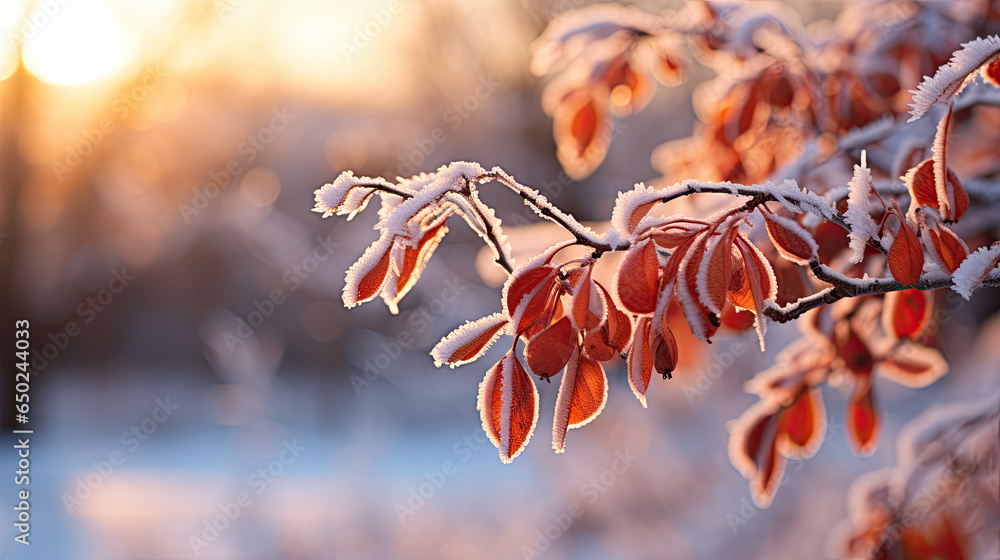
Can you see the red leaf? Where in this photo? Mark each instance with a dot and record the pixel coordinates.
(583, 392)
(906, 313)
(912, 365)
(636, 279)
(991, 73)
(803, 425)
(753, 450)
(854, 352)
(619, 325)
(414, 261)
(920, 182)
(524, 284)
(906, 256)
(580, 126)
(714, 282)
(548, 351)
(790, 239)
(640, 362)
(863, 426)
(508, 405)
(948, 247)
(596, 346)
(469, 341)
(587, 307)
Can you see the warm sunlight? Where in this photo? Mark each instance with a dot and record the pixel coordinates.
(74, 44)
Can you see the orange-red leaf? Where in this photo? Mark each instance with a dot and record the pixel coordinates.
(753, 450)
(803, 425)
(587, 308)
(414, 261)
(906, 313)
(508, 405)
(549, 350)
(636, 278)
(790, 239)
(640, 362)
(992, 73)
(906, 256)
(583, 393)
(580, 126)
(619, 325)
(920, 182)
(948, 247)
(469, 341)
(854, 352)
(863, 426)
(912, 365)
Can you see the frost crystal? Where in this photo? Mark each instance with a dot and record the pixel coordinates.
(628, 203)
(951, 78)
(858, 214)
(974, 269)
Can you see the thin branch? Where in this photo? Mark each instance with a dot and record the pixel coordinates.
(847, 287)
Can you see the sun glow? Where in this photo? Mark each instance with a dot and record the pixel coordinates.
(75, 43)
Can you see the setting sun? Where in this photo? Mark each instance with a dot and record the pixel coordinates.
(73, 44)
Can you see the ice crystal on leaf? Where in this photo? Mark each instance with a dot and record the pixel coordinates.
(951, 79)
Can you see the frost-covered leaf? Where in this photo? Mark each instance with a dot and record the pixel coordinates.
(347, 194)
(470, 341)
(912, 365)
(952, 77)
(945, 248)
(632, 206)
(413, 262)
(974, 269)
(716, 270)
(858, 215)
(760, 279)
(753, 450)
(802, 426)
(640, 361)
(508, 406)
(636, 279)
(952, 198)
(368, 276)
(791, 240)
(583, 392)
